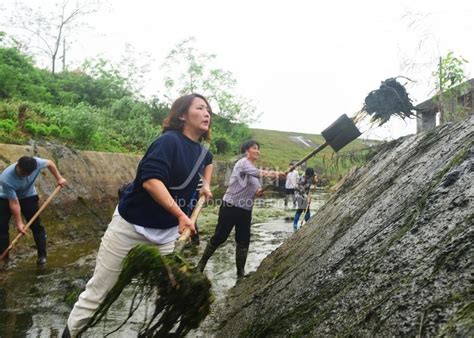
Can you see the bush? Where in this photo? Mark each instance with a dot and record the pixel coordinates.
(37, 129)
(66, 133)
(84, 123)
(9, 110)
(122, 109)
(7, 125)
(101, 142)
(54, 130)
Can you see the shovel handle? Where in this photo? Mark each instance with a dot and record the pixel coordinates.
(304, 159)
(187, 232)
(307, 157)
(35, 216)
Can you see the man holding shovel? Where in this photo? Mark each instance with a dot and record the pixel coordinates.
(18, 196)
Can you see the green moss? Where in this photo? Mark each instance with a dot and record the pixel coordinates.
(461, 323)
(71, 298)
(460, 157)
(410, 220)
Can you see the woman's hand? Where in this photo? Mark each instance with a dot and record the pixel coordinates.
(206, 192)
(185, 223)
(260, 192)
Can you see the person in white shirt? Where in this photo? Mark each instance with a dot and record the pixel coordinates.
(290, 185)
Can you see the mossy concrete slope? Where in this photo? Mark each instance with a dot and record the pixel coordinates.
(390, 254)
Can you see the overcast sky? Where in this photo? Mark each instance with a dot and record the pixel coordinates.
(303, 63)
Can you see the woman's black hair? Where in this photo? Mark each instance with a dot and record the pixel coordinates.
(309, 172)
(247, 145)
(181, 107)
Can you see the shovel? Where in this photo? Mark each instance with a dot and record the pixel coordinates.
(342, 132)
(35, 216)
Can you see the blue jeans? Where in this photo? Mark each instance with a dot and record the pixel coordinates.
(297, 217)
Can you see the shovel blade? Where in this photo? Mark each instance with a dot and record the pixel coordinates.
(342, 132)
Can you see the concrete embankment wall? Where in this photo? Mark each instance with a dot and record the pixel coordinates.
(84, 207)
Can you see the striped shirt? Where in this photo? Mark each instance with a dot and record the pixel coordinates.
(243, 184)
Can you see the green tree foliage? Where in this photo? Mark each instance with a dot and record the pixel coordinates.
(188, 70)
(96, 83)
(91, 108)
(95, 107)
(108, 81)
(19, 78)
(451, 85)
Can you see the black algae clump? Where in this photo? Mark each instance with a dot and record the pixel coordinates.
(390, 99)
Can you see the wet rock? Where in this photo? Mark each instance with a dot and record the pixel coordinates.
(451, 178)
(390, 254)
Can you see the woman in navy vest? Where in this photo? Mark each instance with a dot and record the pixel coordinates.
(153, 208)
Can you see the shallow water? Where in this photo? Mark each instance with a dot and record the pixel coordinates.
(33, 300)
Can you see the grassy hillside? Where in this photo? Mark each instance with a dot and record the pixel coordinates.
(278, 149)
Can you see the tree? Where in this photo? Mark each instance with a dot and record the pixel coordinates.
(135, 69)
(49, 33)
(451, 84)
(19, 78)
(188, 70)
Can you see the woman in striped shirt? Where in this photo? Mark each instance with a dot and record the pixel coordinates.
(237, 204)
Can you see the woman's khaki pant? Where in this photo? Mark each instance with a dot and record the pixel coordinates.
(118, 240)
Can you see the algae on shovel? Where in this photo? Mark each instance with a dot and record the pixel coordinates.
(390, 99)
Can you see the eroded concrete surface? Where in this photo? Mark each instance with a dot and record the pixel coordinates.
(390, 254)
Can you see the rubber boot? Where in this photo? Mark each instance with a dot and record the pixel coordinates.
(66, 333)
(4, 243)
(208, 251)
(240, 259)
(40, 240)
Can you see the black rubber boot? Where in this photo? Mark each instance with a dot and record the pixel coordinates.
(206, 255)
(66, 333)
(4, 243)
(40, 240)
(240, 259)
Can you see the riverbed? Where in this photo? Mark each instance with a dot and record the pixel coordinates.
(35, 301)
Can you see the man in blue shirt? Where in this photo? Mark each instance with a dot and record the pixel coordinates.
(18, 196)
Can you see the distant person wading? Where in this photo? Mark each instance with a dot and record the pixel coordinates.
(302, 196)
(290, 185)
